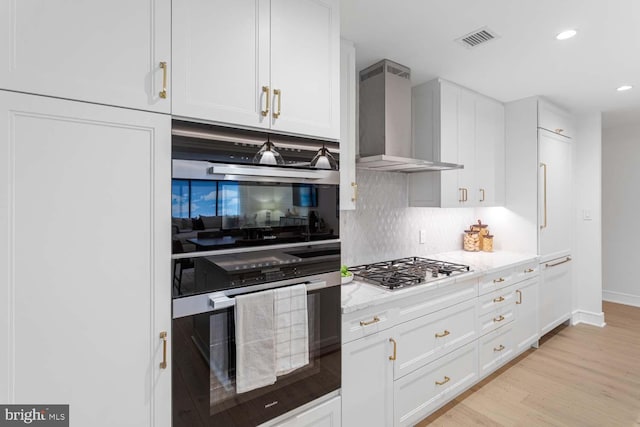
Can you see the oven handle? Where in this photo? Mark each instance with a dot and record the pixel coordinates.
(221, 301)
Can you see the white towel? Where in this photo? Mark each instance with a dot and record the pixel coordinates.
(255, 341)
(292, 331)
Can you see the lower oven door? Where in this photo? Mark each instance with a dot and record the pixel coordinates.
(204, 366)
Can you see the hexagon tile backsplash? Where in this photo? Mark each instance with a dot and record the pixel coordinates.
(383, 227)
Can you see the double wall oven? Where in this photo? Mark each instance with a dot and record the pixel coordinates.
(242, 227)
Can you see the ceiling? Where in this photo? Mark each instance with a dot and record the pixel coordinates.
(581, 73)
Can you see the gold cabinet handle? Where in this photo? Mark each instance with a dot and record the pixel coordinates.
(163, 92)
(558, 263)
(500, 280)
(499, 299)
(519, 292)
(163, 337)
(355, 191)
(498, 348)
(375, 319)
(482, 191)
(461, 190)
(558, 130)
(395, 349)
(544, 194)
(529, 270)
(498, 319)
(278, 93)
(267, 94)
(466, 195)
(443, 382)
(444, 334)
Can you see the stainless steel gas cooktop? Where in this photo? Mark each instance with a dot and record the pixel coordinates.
(404, 272)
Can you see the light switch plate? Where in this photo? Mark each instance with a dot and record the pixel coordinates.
(586, 215)
(423, 237)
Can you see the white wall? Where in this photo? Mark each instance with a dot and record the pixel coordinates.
(620, 207)
(587, 247)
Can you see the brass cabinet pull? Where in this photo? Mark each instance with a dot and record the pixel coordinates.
(558, 130)
(499, 348)
(498, 319)
(267, 94)
(558, 263)
(461, 190)
(482, 191)
(499, 299)
(544, 194)
(163, 337)
(395, 349)
(355, 191)
(375, 319)
(163, 92)
(466, 195)
(499, 280)
(519, 292)
(444, 334)
(443, 382)
(529, 270)
(278, 93)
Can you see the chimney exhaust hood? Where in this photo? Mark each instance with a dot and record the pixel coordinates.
(385, 121)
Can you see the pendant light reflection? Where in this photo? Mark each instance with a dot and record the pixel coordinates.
(324, 160)
(267, 155)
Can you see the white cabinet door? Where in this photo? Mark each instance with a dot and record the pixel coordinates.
(221, 61)
(525, 326)
(367, 381)
(101, 52)
(555, 293)
(305, 67)
(85, 197)
(490, 148)
(348, 82)
(495, 349)
(466, 149)
(555, 184)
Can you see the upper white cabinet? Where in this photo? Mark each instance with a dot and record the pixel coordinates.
(102, 52)
(269, 64)
(348, 83)
(86, 292)
(454, 125)
(554, 119)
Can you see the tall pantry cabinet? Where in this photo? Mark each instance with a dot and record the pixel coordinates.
(84, 209)
(539, 154)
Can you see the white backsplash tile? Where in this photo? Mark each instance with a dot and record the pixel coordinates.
(383, 227)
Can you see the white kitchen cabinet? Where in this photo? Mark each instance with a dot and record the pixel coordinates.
(101, 52)
(265, 64)
(348, 83)
(367, 381)
(326, 414)
(455, 125)
(525, 326)
(554, 119)
(84, 202)
(495, 349)
(555, 293)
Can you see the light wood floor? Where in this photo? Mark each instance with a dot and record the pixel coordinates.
(580, 376)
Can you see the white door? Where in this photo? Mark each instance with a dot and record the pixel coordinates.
(555, 192)
(103, 52)
(84, 217)
(489, 161)
(525, 326)
(367, 381)
(450, 193)
(305, 67)
(348, 123)
(555, 293)
(467, 147)
(221, 61)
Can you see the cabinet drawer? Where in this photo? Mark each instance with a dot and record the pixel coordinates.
(497, 280)
(423, 340)
(496, 300)
(494, 319)
(525, 271)
(365, 322)
(496, 348)
(424, 390)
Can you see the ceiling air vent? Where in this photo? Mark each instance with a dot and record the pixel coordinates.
(477, 37)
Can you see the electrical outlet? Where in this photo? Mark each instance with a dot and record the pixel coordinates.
(586, 215)
(423, 237)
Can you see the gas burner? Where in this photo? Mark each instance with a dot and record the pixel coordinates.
(403, 272)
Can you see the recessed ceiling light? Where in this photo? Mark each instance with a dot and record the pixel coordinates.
(567, 34)
(623, 88)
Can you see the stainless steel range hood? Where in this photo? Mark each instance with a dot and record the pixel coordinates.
(385, 121)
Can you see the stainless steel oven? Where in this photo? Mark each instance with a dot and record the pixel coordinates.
(242, 229)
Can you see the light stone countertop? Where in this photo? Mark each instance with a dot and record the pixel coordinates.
(358, 295)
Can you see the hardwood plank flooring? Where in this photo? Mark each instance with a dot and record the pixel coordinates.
(580, 376)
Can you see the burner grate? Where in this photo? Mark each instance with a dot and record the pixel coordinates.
(405, 272)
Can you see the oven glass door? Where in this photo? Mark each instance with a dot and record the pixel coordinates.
(204, 388)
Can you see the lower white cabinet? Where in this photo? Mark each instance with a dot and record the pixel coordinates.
(555, 293)
(525, 327)
(367, 381)
(326, 414)
(84, 226)
(424, 390)
(496, 348)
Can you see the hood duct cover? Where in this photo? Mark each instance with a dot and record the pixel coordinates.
(385, 121)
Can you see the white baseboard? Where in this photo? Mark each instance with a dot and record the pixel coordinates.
(587, 317)
(621, 298)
